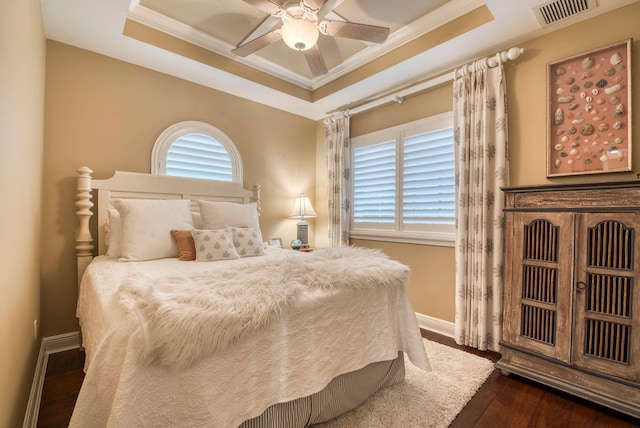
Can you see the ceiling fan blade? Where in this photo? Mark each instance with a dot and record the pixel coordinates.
(316, 61)
(312, 5)
(350, 30)
(268, 24)
(327, 7)
(259, 43)
(333, 16)
(268, 6)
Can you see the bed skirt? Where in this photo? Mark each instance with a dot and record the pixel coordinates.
(342, 394)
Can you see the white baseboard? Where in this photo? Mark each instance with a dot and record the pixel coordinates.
(62, 342)
(49, 345)
(435, 325)
(33, 406)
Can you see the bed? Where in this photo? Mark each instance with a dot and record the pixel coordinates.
(245, 335)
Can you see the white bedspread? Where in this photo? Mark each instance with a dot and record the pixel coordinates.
(331, 332)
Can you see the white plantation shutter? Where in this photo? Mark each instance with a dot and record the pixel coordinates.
(374, 183)
(428, 178)
(404, 183)
(199, 156)
(196, 150)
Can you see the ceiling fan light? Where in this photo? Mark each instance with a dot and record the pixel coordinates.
(300, 34)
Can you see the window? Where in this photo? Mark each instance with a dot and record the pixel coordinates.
(196, 150)
(404, 183)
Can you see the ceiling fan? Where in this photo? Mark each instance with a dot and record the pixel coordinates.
(301, 25)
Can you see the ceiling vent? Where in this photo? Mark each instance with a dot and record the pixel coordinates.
(551, 12)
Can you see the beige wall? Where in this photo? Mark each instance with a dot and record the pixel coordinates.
(107, 114)
(431, 286)
(22, 53)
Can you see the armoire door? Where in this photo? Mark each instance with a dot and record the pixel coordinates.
(538, 291)
(607, 334)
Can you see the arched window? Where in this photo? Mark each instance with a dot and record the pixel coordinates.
(196, 150)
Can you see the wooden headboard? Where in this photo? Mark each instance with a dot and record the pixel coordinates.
(123, 185)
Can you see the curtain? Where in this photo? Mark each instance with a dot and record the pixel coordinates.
(339, 179)
(480, 127)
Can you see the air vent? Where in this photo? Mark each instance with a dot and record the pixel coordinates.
(557, 10)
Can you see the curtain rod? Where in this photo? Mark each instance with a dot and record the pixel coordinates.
(398, 97)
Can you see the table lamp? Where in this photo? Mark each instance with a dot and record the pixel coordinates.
(302, 208)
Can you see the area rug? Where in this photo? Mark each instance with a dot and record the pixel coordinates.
(425, 399)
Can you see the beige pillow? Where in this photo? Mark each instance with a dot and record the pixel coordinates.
(216, 215)
(196, 218)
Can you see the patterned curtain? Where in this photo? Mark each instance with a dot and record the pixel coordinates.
(336, 131)
(482, 168)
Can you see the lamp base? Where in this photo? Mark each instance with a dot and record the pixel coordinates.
(303, 233)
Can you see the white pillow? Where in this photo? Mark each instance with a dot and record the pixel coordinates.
(216, 215)
(214, 245)
(146, 226)
(247, 242)
(113, 233)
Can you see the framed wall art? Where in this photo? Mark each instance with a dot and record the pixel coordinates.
(589, 112)
(275, 241)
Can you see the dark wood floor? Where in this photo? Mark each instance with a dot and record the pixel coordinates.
(61, 386)
(515, 402)
(503, 401)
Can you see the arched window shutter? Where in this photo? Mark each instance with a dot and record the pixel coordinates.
(196, 150)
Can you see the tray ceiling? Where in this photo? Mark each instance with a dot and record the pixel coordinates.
(224, 24)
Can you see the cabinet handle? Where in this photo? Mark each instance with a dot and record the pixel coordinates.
(581, 285)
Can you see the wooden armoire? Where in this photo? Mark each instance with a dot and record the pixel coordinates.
(572, 296)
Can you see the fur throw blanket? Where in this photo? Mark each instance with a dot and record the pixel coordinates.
(179, 320)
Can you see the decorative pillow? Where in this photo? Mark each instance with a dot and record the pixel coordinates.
(214, 245)
(186, 245)
(147, 225)
(113, 233)
(216, 215)
(247, 242)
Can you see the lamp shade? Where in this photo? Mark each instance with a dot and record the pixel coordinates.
(300, 34)
(302, 208)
